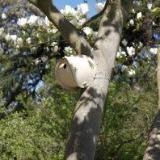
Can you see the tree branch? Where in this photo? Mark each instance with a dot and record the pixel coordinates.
(110, 25)
(68, 31)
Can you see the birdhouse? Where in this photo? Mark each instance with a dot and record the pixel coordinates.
(75, 71)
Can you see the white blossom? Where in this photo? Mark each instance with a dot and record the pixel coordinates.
(29, 40)
(55, 49)
(131, 22)
(99, 6)
(53, 43)
(88, 31)
(13, 37)
(153, 23)
(120, 54)
(153, 50)
(131, 72)
(17, 46)
(68, 49)
(139, 15)
(46, 20)
(37, 61)
(83, 8)
(131, 51)
(124, 42)
(68, 10)
(140, 45)
(9, 37)
(149, 6)
(37, 35)
(22, 21)
(19, 41)
(33, 19)
(53, 30)
(40, 21)
(4, 16)
(133, 10)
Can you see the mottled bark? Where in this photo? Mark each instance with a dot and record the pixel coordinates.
(153, 149)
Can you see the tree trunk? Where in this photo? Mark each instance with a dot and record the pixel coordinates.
(153, 149)
(88, 113)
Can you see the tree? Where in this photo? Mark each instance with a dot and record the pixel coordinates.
(153, 149)
(27, 58)
(89, 109)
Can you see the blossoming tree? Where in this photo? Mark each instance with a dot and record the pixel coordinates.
(89, 109)
(101, 43)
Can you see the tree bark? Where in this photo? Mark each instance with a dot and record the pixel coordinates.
(152, 151)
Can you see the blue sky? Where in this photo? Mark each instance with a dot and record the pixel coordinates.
(61, 3)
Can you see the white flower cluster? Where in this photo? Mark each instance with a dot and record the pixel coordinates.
(139, 15)
(29, 40)
(120, 53)
(153, 50)
(68, 10)
(88, 31)
(149, 5)
(18, 41)
(131, 22)
(78, 15)
(3, 16)
(68, 50)
(131, 72)
(33, 20)
(99, 6)
(131, 51)
(83, 8)
(127, 70)
(124, 42)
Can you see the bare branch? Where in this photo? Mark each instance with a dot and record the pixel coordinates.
(68, 31)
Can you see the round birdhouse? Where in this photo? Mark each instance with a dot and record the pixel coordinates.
(75, 71)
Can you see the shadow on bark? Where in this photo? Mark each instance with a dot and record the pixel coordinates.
(110, 23)
(153, 151)
(85, 129)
